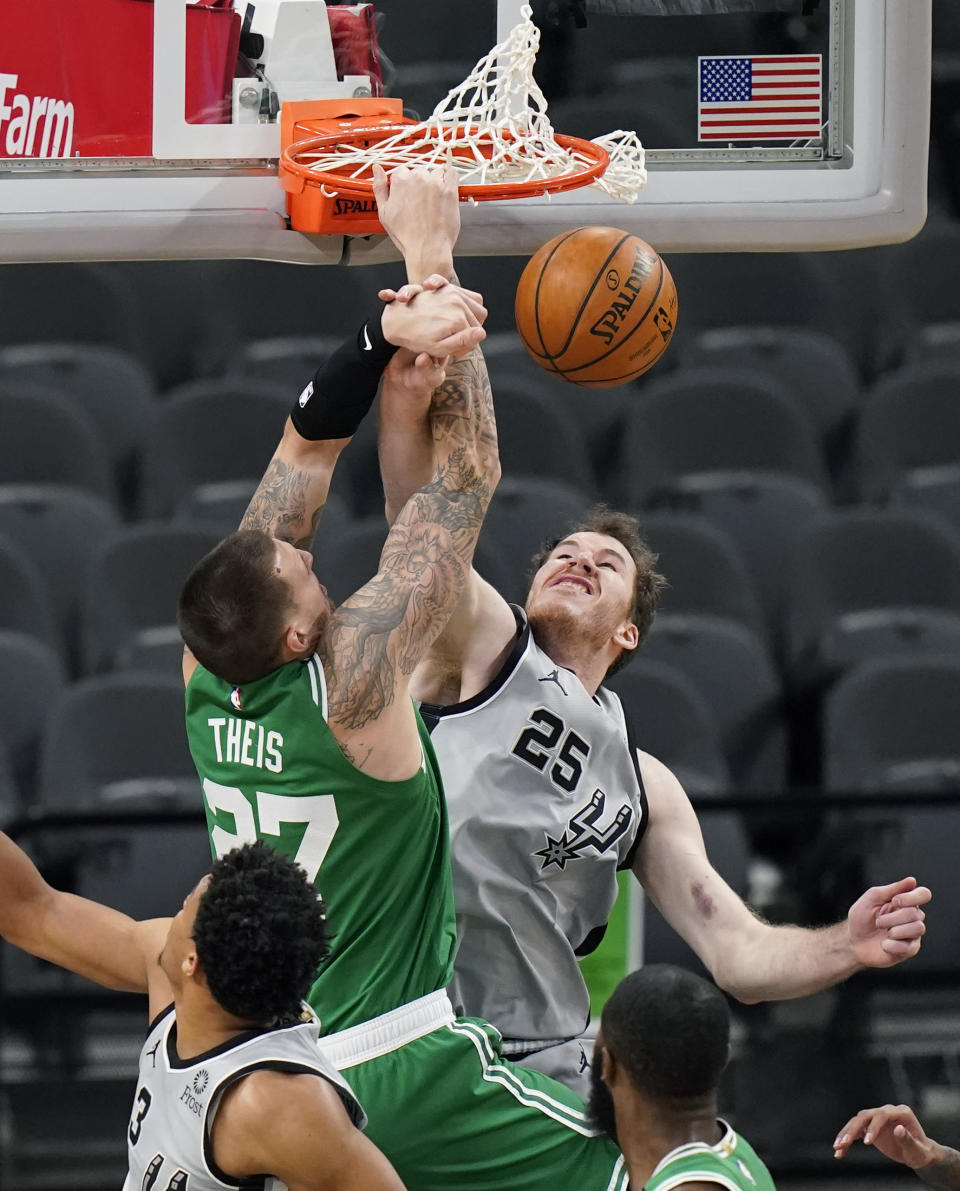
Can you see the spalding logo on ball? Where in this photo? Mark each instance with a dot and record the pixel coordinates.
(596, 306)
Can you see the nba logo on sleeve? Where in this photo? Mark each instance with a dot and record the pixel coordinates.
(307, 394)
(236, 701)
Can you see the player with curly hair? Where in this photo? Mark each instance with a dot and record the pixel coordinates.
(231, 1084)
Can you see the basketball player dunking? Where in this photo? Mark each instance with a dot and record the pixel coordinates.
(303, 732)
(548, 798)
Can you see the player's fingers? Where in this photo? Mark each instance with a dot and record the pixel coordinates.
(886, 893)
(898, 917)
(900, 949)
(435, 281)
(459, 343)
(409, 291)
(854, 1128)
(473, 304)
(909, 930)
(381, 185)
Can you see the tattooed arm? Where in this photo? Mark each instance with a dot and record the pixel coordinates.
(749, 958)
(289, 499)
(377, 637)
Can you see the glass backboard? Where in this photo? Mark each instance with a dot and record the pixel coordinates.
(131, 129)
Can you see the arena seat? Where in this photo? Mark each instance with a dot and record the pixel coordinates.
(108, 383)
(706, 421)
(918, 282)
(69, 450)
(117, 741)
(31, 681)
(58, 529)
(68, 302)
(762, 512)
(865, 583)
(704, 568)
(288, 360)
(890, 726)
(730, 666)
(131, 594)
(909, 424)
(26, 605)
(537, 437)
(208, 431)
(597, 416)
(671, 719)
(816, 368)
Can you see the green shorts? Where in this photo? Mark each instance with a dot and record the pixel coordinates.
(452, 1115)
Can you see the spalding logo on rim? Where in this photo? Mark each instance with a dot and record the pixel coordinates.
(306, 395)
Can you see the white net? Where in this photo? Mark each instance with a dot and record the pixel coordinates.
(494, 128)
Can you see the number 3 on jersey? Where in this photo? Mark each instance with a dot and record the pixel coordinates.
(316, 813)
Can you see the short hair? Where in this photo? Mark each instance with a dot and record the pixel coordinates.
(232, 608)
(625, 528)
(670, 1030)
(260, 933)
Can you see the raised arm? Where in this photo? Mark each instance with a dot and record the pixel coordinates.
(289, 499)
(80, 935)
(377, 637)
(749, 958)
(468, 651)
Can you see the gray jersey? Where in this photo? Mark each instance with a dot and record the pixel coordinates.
(546, 803)
(168, 1141)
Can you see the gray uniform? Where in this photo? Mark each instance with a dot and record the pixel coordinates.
(168, 1141)
(546, 803)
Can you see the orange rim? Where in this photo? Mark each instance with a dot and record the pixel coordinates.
(596, 161)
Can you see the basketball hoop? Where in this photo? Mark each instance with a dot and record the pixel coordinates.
(492, 129)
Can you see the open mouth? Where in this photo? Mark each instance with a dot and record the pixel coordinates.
(574, 581)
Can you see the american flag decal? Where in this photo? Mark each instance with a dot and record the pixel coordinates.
(770, 97)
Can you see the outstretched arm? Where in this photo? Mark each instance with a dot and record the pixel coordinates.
(749, 958)
(896, 1133)
(80, 935)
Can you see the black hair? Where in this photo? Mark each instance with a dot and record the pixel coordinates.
(260, 934)
(624, 528)
(232, 608)
(670, 1030)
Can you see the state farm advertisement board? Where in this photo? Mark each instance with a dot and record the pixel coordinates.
(76, 76)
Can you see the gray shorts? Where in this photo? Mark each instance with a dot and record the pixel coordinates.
(568, 1062)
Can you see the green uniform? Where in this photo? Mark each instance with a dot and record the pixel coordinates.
(731, 1163)
(378, 851)
(442, 1104)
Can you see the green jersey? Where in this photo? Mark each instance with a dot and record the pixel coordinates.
(377, 851)
(731, 1163)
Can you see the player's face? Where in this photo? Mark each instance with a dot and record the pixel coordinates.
(309, 598)
(179, 940)
(589, 577)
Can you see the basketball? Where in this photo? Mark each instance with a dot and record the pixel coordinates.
(596, 306)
